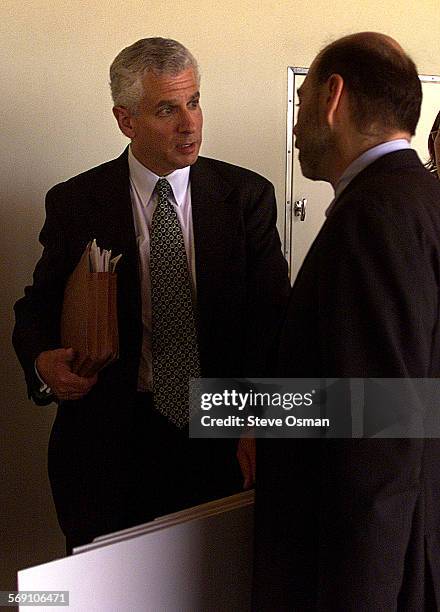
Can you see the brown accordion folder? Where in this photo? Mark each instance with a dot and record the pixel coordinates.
(89, 321)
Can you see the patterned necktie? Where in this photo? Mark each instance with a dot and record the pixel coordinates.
(174, 338)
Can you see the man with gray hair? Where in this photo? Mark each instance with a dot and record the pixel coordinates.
(201, 288)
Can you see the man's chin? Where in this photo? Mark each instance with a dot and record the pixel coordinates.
(307, 171)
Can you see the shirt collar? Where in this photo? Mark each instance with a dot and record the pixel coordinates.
(364, 160)
(144, 180)
(367, 158)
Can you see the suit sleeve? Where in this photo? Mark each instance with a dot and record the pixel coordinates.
(268, 285)
(37, 314)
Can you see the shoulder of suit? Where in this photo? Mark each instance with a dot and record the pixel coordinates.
(231, 172)
(394, 175)
(396, 186)
(93, 177)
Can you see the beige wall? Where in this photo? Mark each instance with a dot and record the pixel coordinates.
(56, 121)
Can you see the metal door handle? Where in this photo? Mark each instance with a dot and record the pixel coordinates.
(299, 208)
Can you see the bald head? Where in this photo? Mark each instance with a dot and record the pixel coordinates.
(380, 78)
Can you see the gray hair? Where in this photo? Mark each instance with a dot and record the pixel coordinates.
(159, 55)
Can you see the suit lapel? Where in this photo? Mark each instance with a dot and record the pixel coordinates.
(112, 193)
(214, 219)
(115, 230)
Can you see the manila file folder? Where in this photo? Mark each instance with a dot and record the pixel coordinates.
(89, 322)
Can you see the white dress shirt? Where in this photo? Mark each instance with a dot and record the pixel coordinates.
(144, 200)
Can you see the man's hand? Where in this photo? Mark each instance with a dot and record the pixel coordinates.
(55, 368)
(246, 455)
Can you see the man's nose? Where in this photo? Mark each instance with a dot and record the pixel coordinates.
(186, 121)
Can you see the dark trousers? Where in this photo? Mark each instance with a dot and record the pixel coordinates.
(161, 471)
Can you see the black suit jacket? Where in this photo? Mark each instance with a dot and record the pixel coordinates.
(242, 289)
(354, 524)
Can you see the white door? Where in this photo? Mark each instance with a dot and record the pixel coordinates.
(306, 200)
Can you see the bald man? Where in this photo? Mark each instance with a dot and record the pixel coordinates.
(346, 525)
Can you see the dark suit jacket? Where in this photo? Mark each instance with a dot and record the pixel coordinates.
(242, 289)
(348, 525)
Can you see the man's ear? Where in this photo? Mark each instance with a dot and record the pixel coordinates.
(125, 121)
(334, 90)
